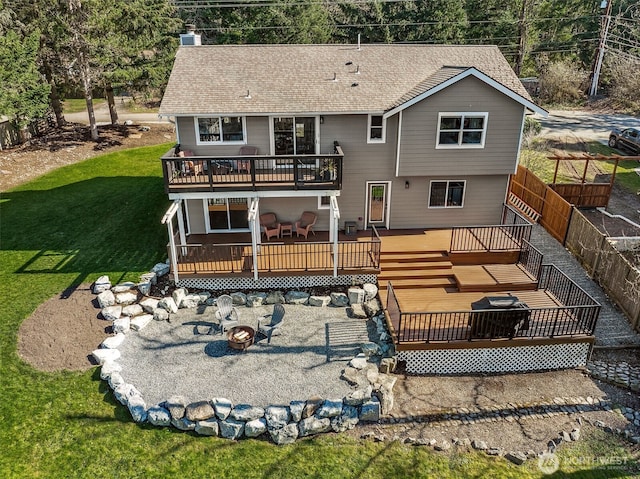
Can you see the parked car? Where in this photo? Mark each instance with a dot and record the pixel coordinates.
(628, 139)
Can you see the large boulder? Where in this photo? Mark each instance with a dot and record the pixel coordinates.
(347, 419)
(102, 284)
(149, 305)
(183, 424)
(161, 315)
(122, 325)
(311, 406)
(168, 304)
(123, 392)
(256, 427)
(158, 416)
(339, 299)
(126, 298)
(132, 310)
(160, 269)
(356, 295)
(371, 307)
(140, 322)
(319, 301)
(277, 416)
(137, 408)
(329, 408)
(239, 299)
(284, 435)
(296, 297)
(199, 411)
(370, 291)
(246, 412)
(104, 355)
(256, 299)
(296, 409)
(111, 313)
(222, 407)
(108, 368)
(190, 301)
(177, 406)
(274, 297)
(357, 311)
(313, 425)
(106, 298)
(231, 428)
(178, 295)
(122, 287)
(370, 410)
(113, 342)
(358, 397)
(209, 427)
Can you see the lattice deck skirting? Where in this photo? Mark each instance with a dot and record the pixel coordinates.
(496, 360)
(274, 282)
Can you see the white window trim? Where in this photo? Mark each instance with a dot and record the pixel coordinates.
(462, 114)
(221, 142)
(384, 130)
(272, 144)
(464, 194)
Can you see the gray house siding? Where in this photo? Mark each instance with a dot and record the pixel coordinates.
(196, 216)
(257, 135)
(418, 153)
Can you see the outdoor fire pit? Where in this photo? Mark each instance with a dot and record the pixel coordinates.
(240, 337)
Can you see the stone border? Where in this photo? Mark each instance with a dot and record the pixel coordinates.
(129, 307)
(620, 374)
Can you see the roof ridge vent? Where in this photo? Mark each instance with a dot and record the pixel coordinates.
(357, 72)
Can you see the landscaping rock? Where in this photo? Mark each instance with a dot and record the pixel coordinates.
(183, 424)
(140, 322)
(161, 315)
(231, 429)
(132, 310)
(256, 299)
(113, 342)
(158, 416)
(311, 406)
(347, 419)
(358, 397)
(178, 295)
(385, 391)
(313, 425)
(371, 307)
(246, 412)
(355, 295)
(102, 284)
(255, 428)
(149, 305)
(442, 446)
(359, 362)
(115, 380)
(126, 298)
(144, 288)
(123, 392)
(121, 325)
(104, 355)
(122, 287)
(329, 408)
(168, 304)
(239, 299)
(150, 277)
(387, 365)
(357, 311)
(479, 445)
(208, 427)
(575, 434)
(370, 349)
(177, 406)
(108, 368)
(296, 408)
(284, 435)
(370, 291)
(370, 410)
(222, 407)
(296, 297)
(277, 416)
(274, 297)
(111, 313)
(106, 298)
(199, 411)
(137, 408)
(339, 299)
(160, 269)
(319, 301)
(516, 457)
(191, 301)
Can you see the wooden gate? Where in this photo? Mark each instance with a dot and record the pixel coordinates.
(555, 212)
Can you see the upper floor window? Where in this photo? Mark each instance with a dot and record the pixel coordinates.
(461, 130)
(376, 128)
(446, 194)
(220, 129)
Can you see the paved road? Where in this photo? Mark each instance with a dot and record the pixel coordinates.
(584, 125)
(103, 118)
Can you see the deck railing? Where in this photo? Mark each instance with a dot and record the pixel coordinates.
(276, 257)
(577, 315)
(530, 259)
(252, 173)
(505, 237)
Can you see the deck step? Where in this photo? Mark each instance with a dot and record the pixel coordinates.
(413, 256)
(489, 288)
(416, 283)
(414, 266)
(392, 275)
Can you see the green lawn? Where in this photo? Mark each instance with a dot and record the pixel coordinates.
(103, 216)
(76, 105)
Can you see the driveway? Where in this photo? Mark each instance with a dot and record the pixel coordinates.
(584, 125)
(103, 118)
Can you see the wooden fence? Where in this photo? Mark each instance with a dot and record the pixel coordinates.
(555, 211)
(588, 195)
(619, 278)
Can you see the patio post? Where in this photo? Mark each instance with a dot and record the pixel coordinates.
(254, 226)
(333, 232)
(168, 220)
(181, 229)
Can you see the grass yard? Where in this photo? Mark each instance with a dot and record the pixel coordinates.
(76, 105)
(103, 216)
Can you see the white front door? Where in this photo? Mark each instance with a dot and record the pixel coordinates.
(378, 204)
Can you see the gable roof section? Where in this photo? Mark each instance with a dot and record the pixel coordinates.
(298, 79)
(447, 76)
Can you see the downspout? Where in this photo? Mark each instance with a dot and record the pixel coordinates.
(333, 230)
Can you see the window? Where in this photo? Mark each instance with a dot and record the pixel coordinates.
(294, 135)
(446, 194)
(220, 129)
(324, 202)
(461, 130)
(376, 127)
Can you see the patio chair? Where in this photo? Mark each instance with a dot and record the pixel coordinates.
(226, 313)
(305, 224)
(245, 165)
(270, 225)
(271, 327)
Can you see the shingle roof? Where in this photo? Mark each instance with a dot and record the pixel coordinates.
(299, 78)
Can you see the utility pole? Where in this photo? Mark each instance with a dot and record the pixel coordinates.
(604, 32)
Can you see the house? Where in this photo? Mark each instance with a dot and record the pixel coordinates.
(396, 142)
(385, 136)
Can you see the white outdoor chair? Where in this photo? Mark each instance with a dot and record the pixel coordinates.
(226, 313)
(271, 327)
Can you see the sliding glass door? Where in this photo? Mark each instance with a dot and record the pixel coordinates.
(294, 135)
(227, 214)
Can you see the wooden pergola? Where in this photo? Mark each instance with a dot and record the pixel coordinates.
(587, 194)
